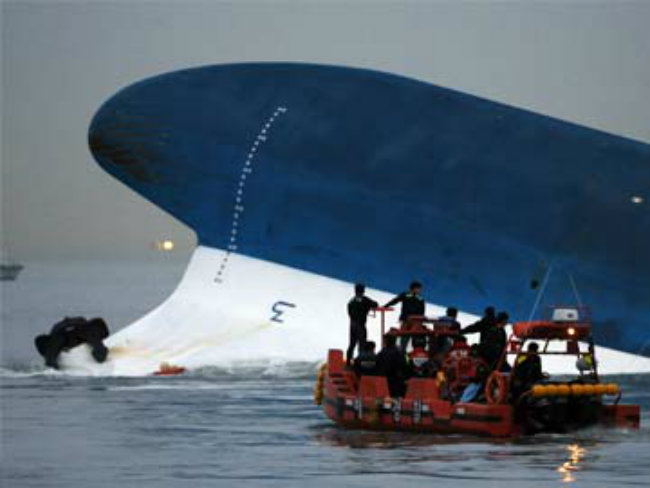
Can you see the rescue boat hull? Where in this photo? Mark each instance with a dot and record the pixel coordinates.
(364, 403)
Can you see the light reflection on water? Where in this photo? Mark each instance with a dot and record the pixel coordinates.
(569, 468)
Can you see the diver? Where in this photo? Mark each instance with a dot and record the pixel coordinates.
(486, 322)
(527, 371)
(358, 308)
(69, 333)
(366, 362)
(392, 364)
(412, 305)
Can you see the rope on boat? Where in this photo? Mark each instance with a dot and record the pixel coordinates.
(320, 383)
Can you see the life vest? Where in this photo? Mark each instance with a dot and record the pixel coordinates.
(459, 350)
(419, 359)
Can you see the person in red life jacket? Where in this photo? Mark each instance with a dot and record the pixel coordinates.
(412, 305)
(358, 308)
(419, 360)
(392, 364)
(460, 348)
(366, 362)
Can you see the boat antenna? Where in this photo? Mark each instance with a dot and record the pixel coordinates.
(575, 289)
(540, 293)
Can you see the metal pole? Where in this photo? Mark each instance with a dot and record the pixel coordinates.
(541, 292)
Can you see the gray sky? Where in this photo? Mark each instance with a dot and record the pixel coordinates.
(587, 62)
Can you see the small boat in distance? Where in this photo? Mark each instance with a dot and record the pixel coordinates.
(10, 271)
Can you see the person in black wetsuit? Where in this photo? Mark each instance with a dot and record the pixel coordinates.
(69, 333)
(485, 323)
(392, 364)
(366, 362)
(358, 308)
(528, 370)
(412, 304)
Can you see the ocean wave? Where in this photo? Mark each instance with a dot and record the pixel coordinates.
(263, 369)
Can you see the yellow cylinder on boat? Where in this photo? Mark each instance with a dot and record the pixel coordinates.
(563, 390)
(588, 389)
(551, 390)
(539, 390)
(612, 389)
(600, 389)
(577, 390)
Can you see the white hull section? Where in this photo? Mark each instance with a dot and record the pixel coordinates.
(260, 312)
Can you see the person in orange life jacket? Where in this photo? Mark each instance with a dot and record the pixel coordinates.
(366, 362)
(392, 364)
(358, 308)
(412, 304)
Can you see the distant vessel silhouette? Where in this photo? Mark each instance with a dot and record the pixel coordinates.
(10, 271)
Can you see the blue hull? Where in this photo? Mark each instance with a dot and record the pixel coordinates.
(367, 176)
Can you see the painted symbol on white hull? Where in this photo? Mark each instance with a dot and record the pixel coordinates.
(238, 208)
(279, 308)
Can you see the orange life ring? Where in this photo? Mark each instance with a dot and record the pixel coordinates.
(496, 388)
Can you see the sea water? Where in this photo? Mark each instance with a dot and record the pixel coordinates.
(245, 425)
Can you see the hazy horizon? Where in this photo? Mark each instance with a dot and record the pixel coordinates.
(586, 63)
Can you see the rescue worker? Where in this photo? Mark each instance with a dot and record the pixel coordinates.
(392, 364)
(493, 341)
(486, 322)
(358, 308)
(412, 305)
(528, 370)
(451, 319)
(366, 362)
